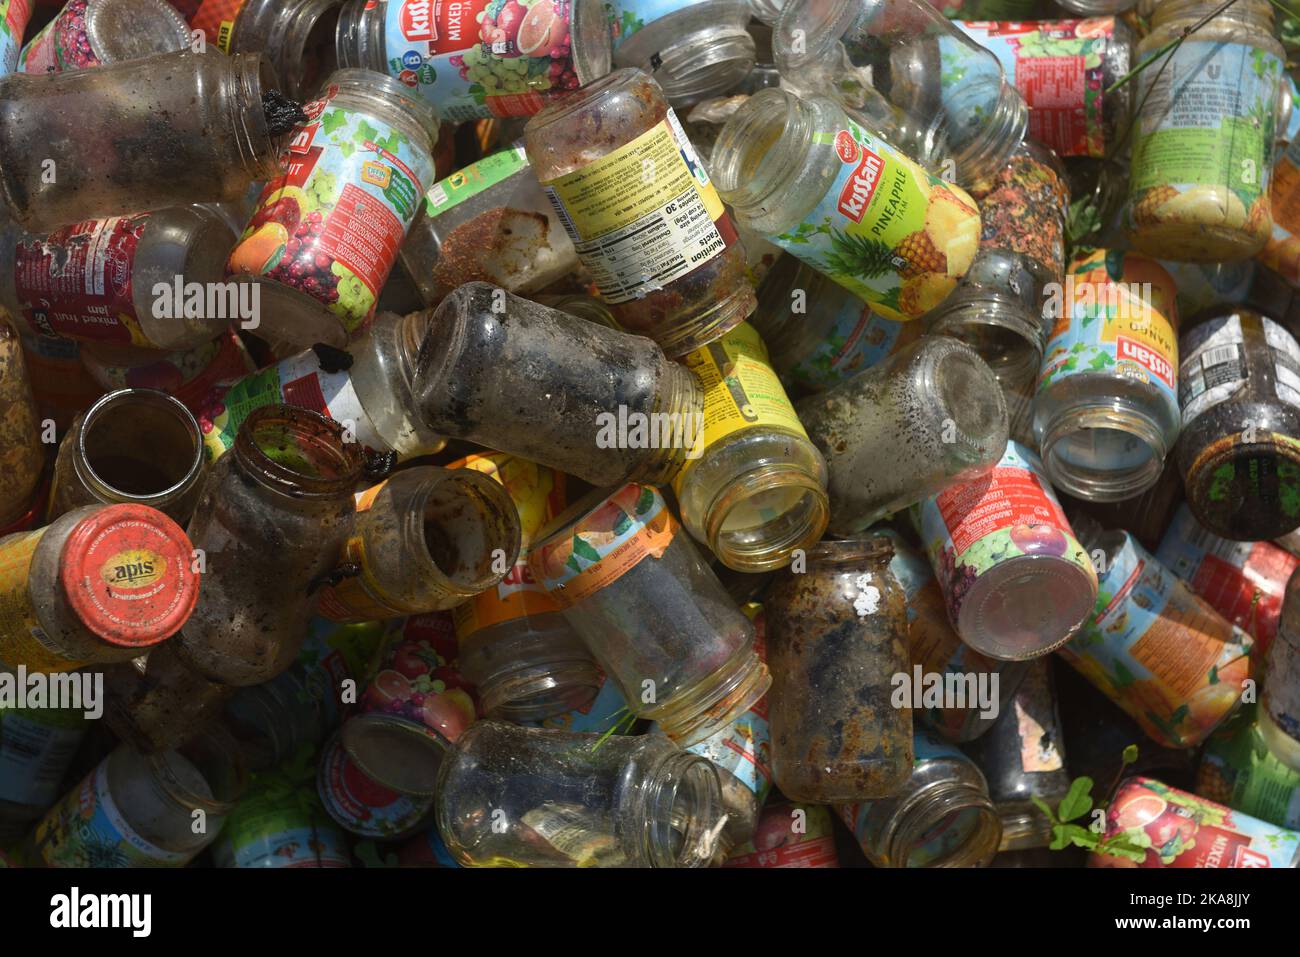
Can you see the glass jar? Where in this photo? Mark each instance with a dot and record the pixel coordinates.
(654, 617)
(929, 416)
(942, 817)
(641, 211)
(1239, 451)
(135, 445)
(1282, 251)
(325, 235)
(157, 702)
(907, 52)
(123, 280)
(96, 586)
(1096, 8)
(22, 456)
(362, 806)
(1279, 702)
(296, 35)
(1203, 146)
(37, 747)
(802, 174)
(510, 796)
(13, 24)
(271, 521)
(838, 638)
(1016, 581)
(88, 33)
(425, 539)
(753, 487)
(60, 384)
(1238, 769)
(1106, 410)
(102, 130)
(281, 822)
(596, 403)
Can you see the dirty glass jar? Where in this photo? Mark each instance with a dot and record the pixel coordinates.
(1279, 703)
(641, 211)
(272, 519)
(549, 387)
(296, 35)
(1239, 451)
(1203, 143)
(1096, 8)
(87, 33)
(511, 796)
(157, 702)
(656, 619)
(218, 136)
(929, 416)
(753, 486)
(133, 445)
(838, 637)
(22, 456)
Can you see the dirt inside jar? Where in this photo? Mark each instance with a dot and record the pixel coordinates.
(509, 247)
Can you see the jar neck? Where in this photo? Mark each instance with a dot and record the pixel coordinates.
(705, 62)
(1251, 13)
(680, 397)
(678, 815)
(242, 86)
(359, 36)
(215, 757)
(763, 151)
(531, 691)
(284, 28)
(435, 520)
(1110, 484)
(854, 553)
(768, 546)
(930, 808)
(716, 700)
(998, 327)
(297, 453)
(368, 91)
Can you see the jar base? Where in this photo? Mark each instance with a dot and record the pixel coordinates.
(1026, 607)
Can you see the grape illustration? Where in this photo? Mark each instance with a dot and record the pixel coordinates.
(354, 299)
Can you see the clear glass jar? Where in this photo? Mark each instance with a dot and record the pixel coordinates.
(659, 623)
(325, 235)
(584, 385)
(1106, 410)
(929, 416)
(426, 539)
(942, 817)
(664, 254)
(1239, 451)
(838, 638)
(96, 586)
(120, 280)
(909, 53)
(271, 521)
(134, 445)
(804, 175)
(22, 456)
(1203, 144)
(37, 747)
(88, 33)
(111, 150)
(1279, 702)
(296, 35)
(510, 796)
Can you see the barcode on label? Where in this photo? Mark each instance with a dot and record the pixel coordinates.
(562, 215)
(1219, 355)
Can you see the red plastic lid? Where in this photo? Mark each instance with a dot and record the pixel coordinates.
(126, 572)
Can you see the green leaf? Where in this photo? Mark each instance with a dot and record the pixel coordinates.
(1078, 801)
(1079, 836)
(366, 132)
(1123, 676)
(1130, 754)
(1045, 808)
(623, 524)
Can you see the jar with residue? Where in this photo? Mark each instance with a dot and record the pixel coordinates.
(37, 747)
(22, 456)
(91, 33)
(296, 35)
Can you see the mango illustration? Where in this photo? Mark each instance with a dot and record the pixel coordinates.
(260, 252)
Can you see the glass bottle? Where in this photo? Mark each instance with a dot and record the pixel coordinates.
(942, 817)
(22, 456)
(122, 280)
(271, 521)
(1239, 451)
(1016, 581)
(325, 234)
(362, 806)
(1106, 411)
(632, 584)
(909, 53)
(296, 35)
(13, 24)
(102, 130)
(1279, 702)
(96, 586)
(135, 445)
(804, 175)
(426, 539)
(88, 33)
(1238, 769)
(661, 248)
(1203, 144)
(929, 416)
(753, 486)
(838, 638)
(566, 802)
(599, 404)
(37, 746)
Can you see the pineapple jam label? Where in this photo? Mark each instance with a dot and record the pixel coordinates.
(1238, 770)
(36, 748)
(776, 843)
(642, 215)
(22, 639)
(1159, 651)
(1178, 829)
(331, 226)
(857, 339)
(216, 18)
(361, 597)
(14, 15)
(1282, 251)
(886, 230)
(474, 179)
(1214, 367)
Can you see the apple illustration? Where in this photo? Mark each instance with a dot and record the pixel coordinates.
(449, 713)
(1039, 539)
(1173, 822)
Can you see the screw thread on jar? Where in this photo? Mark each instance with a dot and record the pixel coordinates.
(715, 702)
(936, 804)
(1005, 334)
(705, 62)
(259, 151)
(680, 397)
(677, 809)
(800, 526)
(359, 39)
(533, 692)
(1112, 483)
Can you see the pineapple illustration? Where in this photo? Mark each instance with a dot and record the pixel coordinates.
(1146, 211)
(860, 257)
(919, 255)
(918, 296)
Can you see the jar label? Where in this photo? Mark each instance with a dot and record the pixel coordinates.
(1282, 251)
(263, 833)
(1238, 770)
(643, 214)
(14, 15)
(577, 832)
(743, 749)
(62, 45)
(606, 712)
(36, 748)
(886, 230)
(856, 340)
(216, 18)
(627, 17)
(189, 376)
(1159, 651)
(360, 597)
(22, 639)
(777, 842)
(332, 225)
(361, 805)
(1214, 366)
(474, 179)
(76, 281)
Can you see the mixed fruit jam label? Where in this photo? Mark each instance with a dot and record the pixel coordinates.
(332, 225)
(361, 805)
(1238, 770)
(1243, 581)
(789, 835)
(88, 829)
(1057, 65)
(22, 639)
(1023, 210)
(1204, 137)
(1214, 366)
(268, 833)
(36, 748)
(216, 18)
(62, 45)
(973, 527)
(886, 230)
(475, 59)
(1178, 829)
(76, 281)
(474, 179)
(14, 15)
(190, 376)
(635, 232)
(856, 340)
(1159, 651)
(631, 525)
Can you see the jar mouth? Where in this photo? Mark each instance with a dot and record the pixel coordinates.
(298, 452)
(369, 83)
(853, 551)
(549, 689)
(207, 772)
(962, 807)
(399, 753)
(806, 33)
(262, 154)
(1077, 441)
(684, 817)
(309, 51)
(747, 138)
(704, 63)
(175, 455)
(467, 517)
(787, 508)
